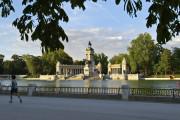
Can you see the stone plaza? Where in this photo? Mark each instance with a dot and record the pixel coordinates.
(46, 108)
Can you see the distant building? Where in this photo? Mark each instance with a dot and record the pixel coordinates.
(90, 70)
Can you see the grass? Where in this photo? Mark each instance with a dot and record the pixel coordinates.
(165, 76)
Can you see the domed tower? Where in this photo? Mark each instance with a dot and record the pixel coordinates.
(89, 64)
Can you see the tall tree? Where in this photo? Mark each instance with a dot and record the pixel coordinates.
(164, 64)
(142, 53)
(50, 59)
(117, 59)
(19, 65)
(1, 63)
(33, 64)
(176, 60)
(103, 59)
(41, 19)
(8, 67)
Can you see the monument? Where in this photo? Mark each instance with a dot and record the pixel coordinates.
(89, 68)
(79, 72)
(91, 71)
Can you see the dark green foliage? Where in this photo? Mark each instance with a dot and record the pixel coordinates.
(103, 59)
(16, 66)
(1, 63)
(8, 67)
(165, 13)
(79, 62)
(117, 59)
(50, 59)
(41, 19)
(142, 54)
(164, 64)
(176, 60)
(33, 64)
(6, 7)
(19, 65)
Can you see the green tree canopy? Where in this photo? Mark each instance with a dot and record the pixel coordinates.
(117, 59)
(142, 53)
(41, 19)
(103, 59)
(1, 63)
(164, 64)
(33, 64)
(8, 67)
(176, 60)
(79, 62)
(50, 59)
(19, 65)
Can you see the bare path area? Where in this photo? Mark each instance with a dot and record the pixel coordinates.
(44, 108)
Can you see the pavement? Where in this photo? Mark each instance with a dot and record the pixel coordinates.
(50, 108)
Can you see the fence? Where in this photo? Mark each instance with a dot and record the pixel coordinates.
(58, 91)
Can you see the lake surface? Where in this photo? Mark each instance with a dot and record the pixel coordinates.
(107, 83)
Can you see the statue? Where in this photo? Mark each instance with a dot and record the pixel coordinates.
(89, 44)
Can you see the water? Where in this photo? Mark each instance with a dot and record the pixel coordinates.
(107, 83)
(29, 82)
(155, 84)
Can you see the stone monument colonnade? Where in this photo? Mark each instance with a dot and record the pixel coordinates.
(69, 70)
(87, 70)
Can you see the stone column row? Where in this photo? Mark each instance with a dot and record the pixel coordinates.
(115, 70)
(70, 71)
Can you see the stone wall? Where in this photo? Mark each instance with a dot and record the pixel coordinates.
(133, 76)
(121, 77)
(47, 77)
(161, 79)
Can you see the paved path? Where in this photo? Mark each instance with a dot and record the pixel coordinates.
(43, 108)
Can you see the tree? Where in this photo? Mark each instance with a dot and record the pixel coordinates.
(164, 64)
(8, 67)
(79, 62)
(1, 63)
(103, 59)
(117, 59)
(142, 53)
(33, 64)
(19, 65)
(50, 59)
(41, 19)
(176, 60)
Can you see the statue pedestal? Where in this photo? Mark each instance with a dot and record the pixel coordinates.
(125, 92)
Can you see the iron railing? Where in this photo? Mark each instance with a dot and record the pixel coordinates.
(37, 90)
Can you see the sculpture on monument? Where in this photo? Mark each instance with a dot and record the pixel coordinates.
(81, 71)
(92, 71)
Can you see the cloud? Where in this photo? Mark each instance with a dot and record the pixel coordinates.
(105, 40)
(3, 34)
(12, 44)
(175, 42)
(115, 38)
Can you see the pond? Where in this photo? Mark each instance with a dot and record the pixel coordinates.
(106, 83)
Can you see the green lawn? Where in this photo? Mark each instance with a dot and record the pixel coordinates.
(164, 76)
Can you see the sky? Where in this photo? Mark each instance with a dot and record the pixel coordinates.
(106, 25)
